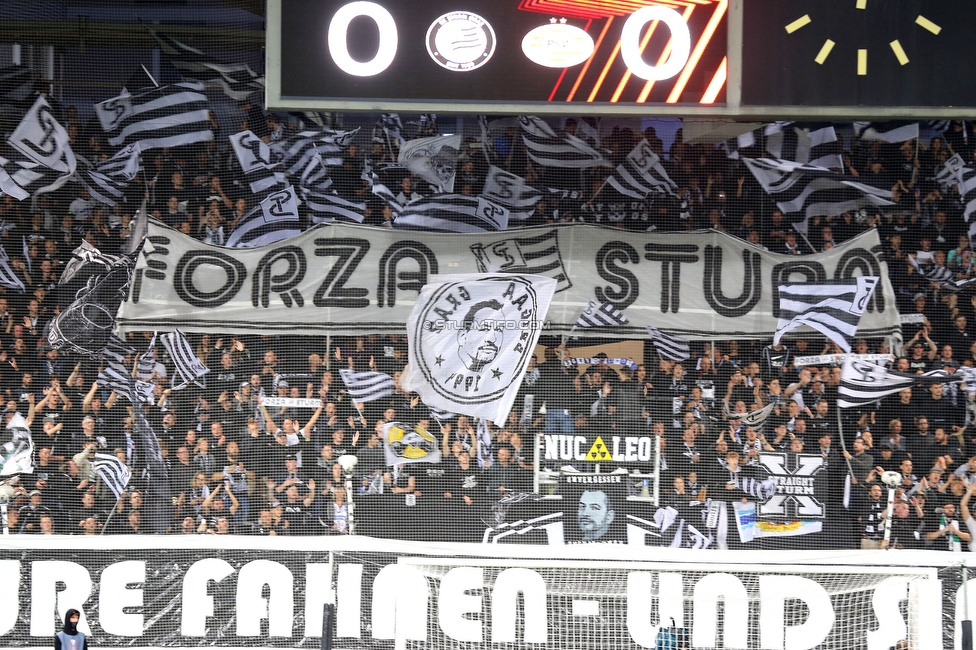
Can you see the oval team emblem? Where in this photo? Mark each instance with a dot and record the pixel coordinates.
(460, 41)
(557, 45)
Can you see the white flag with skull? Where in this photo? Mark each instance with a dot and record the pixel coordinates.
(470, 338)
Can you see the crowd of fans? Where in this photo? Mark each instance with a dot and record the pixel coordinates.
(236, 466)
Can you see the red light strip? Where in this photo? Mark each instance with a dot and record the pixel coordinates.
(600, 8)
(586, 66)
(603, 75)
(717, 83)
(696, 54)
(562, 74)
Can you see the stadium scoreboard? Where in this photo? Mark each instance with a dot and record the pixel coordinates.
(732, 58)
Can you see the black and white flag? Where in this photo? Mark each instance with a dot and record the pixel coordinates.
(123, 165)
(641, 174)
(102, 187)
(117, 377)
(254, 156)
(37, 157)
(886, 131)
(87, 254)
(274, 219)
(452, 213)
(600, 315)
(168, 116)
(367, 386)
(807, 191)
(550, 149)
(817, 146)
(470, 338)
(17, 454)
(669, 347)
(325, 208)
(864, 382)
(189, 368)
(956, 173)
(511, 192)
(939, 275)
(113, 472)
(536, 255)
(9, 277)
(147, 360)
(831, 308)
(434, 159)
(755, 419)
(297, 151)
(237, 80)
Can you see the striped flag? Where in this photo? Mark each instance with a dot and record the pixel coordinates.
(534, 255)
(9, 277)
(831, 308)
(114, 473)
(755, 419)
(939, 275)
(237, 80)
(669, 347)
(37, 157)
(600, 315)
(274, 219)
(511, 192)
(864, 382)
(103, 188)
(452, 213)
(189, 367)
(813, 191)
(297, 151)
(167, 116)
(550, 149)
(886, 131)
(817, 146)
(124, 165)
(147, 360)
(391, 127)
(956, 173)
(324, 208)
(367, 386)
(116, 376)
(641, 174)
(254, 157)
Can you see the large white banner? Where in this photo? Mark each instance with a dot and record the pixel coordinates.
(349, 279)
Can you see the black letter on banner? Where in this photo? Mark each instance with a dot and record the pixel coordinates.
(751, 283)
(333, 293)
(263, 283)
(671, 256)
(811, 272)
(156, 269)
(858, 259)
(606, 265)
(235, 273)
(408, 280)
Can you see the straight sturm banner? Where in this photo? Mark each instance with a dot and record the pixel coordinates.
(200, 591)
(348, 279)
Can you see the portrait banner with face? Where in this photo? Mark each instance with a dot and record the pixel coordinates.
(470, 337)
(599, 503)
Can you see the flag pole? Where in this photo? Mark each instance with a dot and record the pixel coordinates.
(110, 515)
(840, 436)
(155, 83)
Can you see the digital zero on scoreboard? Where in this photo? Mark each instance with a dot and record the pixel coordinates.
(519, 53)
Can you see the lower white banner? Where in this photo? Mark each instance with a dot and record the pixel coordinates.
(240, 592)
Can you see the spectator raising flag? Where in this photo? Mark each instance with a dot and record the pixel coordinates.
(831, 308)
(669, 347)
(864, 382)
(113, 472)
(641, 174)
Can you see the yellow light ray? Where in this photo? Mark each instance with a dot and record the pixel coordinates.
(899, 52)
(825, 51)
(862, 62)
(861, 4)
(802, 21)
(927, 24)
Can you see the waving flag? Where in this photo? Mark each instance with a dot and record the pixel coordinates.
(815, 146)
(9, 277)
(939, 275)
(549, 149)
(831, 308)
(189, 367)
(409, 443)
(37, 157)
(669, 347)
(113, 472)
(511, 192)
(809, 191)
(864, 382)
(641, 174)
(368, 385)
(17, 455)
(886, 131)
(452, 213)
(434, 159)
(324, 208)
(536, 255)
(298, 150)
(470, 358)
(274, 219)
(254, 157)
(167, 116)
(600, 315)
